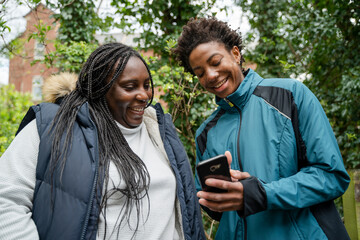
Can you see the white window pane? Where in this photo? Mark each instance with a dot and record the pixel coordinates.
(37, 84)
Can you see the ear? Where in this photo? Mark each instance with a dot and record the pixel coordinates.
(236, 54)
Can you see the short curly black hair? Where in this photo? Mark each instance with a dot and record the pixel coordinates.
(203, 30)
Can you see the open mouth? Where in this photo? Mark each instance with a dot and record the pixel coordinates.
(220, 83)
(138, 109)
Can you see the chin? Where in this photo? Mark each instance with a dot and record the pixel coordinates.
(135, 124)
(222, 95)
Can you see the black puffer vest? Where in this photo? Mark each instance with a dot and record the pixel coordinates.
(69, 209)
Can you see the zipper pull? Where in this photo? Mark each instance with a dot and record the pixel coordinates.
(228, 102)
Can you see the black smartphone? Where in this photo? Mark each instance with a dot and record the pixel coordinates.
(216, 167)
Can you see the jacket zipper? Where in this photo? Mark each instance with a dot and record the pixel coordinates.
(238, 135)
(238, 153)
(92, 194)
(90, 207)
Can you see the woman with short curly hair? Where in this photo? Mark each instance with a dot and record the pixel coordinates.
(285, 162)
(204, 30)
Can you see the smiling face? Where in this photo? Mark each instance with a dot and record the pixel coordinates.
(130, 93)
(218, 69)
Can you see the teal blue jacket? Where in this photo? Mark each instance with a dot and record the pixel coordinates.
(277, 131)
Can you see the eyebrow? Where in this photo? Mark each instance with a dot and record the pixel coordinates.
(130, 80)
(208, 60)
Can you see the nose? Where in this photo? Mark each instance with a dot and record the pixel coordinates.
(143, 95)
(211, 74)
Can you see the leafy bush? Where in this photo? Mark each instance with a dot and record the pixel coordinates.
(318, 42)
(68, 57)
(13, 106)
(185, 99)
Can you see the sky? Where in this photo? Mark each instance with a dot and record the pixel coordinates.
(17, 25)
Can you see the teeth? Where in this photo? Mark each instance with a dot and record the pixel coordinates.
(138, 109)
(221, 83)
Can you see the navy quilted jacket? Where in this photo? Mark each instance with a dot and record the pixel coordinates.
(72, 211)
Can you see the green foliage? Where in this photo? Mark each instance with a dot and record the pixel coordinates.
(188, 103)
(318, 42)
(158, 21)
(9, 47)
(3, 27)
(74, 43)
(210, 225)
(42, 30)
(13, 106)
(78, 20)
(69, 57)
(344, 115)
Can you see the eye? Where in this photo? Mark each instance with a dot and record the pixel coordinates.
(199, 74)
(216, 61)
(129, 86)
(147, 85)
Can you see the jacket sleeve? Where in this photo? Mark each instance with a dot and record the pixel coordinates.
(323, 177)
(17, 184)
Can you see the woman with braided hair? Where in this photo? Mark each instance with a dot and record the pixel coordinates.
(99, 162)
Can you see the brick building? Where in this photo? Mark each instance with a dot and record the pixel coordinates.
(27, 77)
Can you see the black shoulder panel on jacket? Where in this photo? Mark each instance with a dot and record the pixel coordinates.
(279, 98)
(202, 138)
(283, 101)
(327, 217)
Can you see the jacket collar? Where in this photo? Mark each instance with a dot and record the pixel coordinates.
(154, 120)
(83, 116)
(242, 94)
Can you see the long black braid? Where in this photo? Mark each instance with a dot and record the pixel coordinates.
(100, 71)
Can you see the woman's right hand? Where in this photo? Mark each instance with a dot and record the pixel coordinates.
(233, 199)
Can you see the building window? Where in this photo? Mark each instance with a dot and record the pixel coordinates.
(37, 83)
(39, 51)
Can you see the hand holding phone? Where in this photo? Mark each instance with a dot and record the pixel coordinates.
(216, 167)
